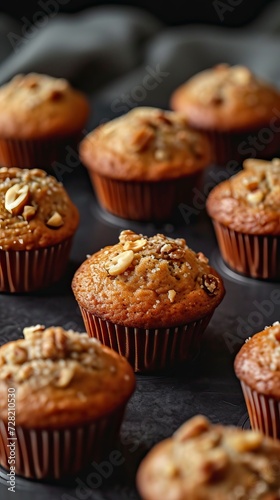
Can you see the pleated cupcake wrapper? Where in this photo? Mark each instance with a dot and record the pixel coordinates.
(27, 270)
(36, 153)
(54, 454)
(256, 256)
(236, 146)
(148, 349)
(264, 412)
(143, 200)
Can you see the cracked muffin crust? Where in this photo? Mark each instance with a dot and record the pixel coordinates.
(233, 107)
(257, 366)
(37, 106)
(245, 212)
(41, 117)
(62, 378)
(35, 210)
(144, 164)
(258, 361)
(249, 201)
(226, 98)
(202, 461)
(148, 282)
(146, 144)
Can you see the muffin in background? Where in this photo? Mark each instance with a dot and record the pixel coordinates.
(70, 397)
(145, 163)
(39, 117)
(257, 366)
(211, 462)
(235, 108)
(150, 299)
(37, 224)
(245, 212)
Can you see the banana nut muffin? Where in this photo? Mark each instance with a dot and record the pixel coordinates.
(145, 162)
(149, 298)
(202, 461)
(230, 103)
(37, 224)
(257, 366)
(70, 393)
(245, 211)
(39, 116)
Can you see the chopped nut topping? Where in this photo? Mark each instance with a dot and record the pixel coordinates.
(202, 257)
(171, 295)
(49, 356)
(210, 283)
(120, 263)
(28, 212)
(252, 183)
(192, 428)
(16, 198)
(142, 138)
(240, 75)
(248, 442)
(161, 154)
(255, 197)
(55, 220)
(65, 377)
(135, 245)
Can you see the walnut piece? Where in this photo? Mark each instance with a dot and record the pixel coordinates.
(171, 295)
(210, 283)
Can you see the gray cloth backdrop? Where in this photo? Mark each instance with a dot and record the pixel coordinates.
(124, 57)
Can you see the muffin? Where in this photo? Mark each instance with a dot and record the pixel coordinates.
(257, 366)
(37, 225)
(145, 163)
(238, 111)
(70, 394)
(150, 299)
(202, 461)
(245, 211)
(39, 117)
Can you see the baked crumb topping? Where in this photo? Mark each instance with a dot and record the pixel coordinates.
(49, 356)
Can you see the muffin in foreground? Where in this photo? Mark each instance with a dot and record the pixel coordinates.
(37, 224)
(257, 366)
(245, 212)
(235, 108)
(39, 117)
(145, 163)
(150, 299)
(70, 394)
(202, 461)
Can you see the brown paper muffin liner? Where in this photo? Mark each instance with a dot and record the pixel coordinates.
(53, 454)
(144, 200)
(27, 270)
(256, 256)
(236, 146)
(264, 412)
(148, 349)
(36, 153)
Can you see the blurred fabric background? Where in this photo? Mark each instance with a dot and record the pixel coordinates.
(130, 55)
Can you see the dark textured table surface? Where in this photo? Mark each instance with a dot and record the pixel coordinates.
(163, 401)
